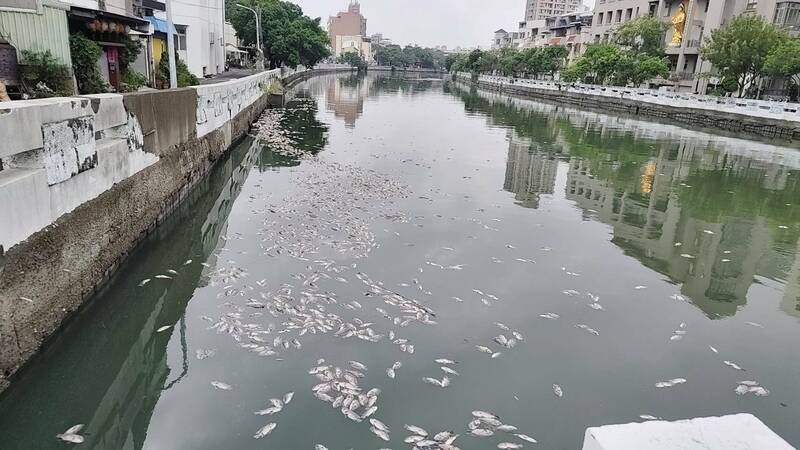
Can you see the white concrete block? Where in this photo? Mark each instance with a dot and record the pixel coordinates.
(69, 148)
(24, 204)
(21, 121)
(733, 432)
(109, 111)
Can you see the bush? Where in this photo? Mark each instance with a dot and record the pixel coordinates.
(132, 81)
(43, 76)
(85, 54)
(185, 78)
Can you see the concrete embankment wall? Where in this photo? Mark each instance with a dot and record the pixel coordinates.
(85, 179)
(740, 123)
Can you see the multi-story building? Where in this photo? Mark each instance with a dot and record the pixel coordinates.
(348, 32)
(571, 30)
(505, 39)
(540, 9)
(610, 14)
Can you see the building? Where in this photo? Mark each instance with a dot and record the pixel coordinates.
(572, 30)
(31, 25)
(379, 39)
(110, 24)
(533, 33)
(505, 39)
(609, 14)
(347, 23)
(355, 44)
(348, 32)
(199, 34)
(540, 9)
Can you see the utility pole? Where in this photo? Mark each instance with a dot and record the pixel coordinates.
(260, 62)
(173, 73)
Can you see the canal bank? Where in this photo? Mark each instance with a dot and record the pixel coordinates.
(588, 239)
(85, 179)
(622, 100)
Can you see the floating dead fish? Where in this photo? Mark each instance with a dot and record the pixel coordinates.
(71, 435)
(143, 282)
(163, 277)
(164, 328)
(265, 430)
(733, 365)
(558, 391)
(221, 386)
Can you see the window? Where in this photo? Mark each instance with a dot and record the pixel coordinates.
(787, 16)
(751, 5)
(600, 18)
(628, 14)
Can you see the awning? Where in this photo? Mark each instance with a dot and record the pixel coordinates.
(233, 49)
(160, 25)
(91, 14)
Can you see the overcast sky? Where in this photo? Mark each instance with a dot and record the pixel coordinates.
(428, 23)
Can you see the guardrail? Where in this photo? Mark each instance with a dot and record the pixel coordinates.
(756, 108)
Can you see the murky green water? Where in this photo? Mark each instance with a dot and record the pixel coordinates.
(687, 241)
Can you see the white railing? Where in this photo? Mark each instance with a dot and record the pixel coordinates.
(757, 108)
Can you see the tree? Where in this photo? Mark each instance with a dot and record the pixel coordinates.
(636, 69)
(390, 55)
(644, 34)
(740, 50)
(353, 59)
(289, 37)
(184, 76)
(85, 53)
(551, 58)
(600, 62)
(784, 61)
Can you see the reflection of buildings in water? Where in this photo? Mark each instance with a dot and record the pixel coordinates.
(790, 303)
(650, 225)
(529, 171)
(345, 97)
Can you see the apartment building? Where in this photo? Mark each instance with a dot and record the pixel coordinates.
(540, 9)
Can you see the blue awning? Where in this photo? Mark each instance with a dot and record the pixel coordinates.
(160, 25)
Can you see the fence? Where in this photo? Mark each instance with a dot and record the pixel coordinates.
(755, 108)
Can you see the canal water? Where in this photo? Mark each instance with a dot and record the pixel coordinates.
(426, 220)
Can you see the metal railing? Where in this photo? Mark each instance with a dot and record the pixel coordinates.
(757, 108)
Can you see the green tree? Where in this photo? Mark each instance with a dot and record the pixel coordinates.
(599, 62)
(353, 59)
(391, 56)
(784, 61)
(184, 76)
(42, 75)
(289, 37)
(85, 53)
(740, 49)
(552, 58)
(636, 69)
(644, 34)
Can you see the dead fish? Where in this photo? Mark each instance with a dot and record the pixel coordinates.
(446, 369)
(496, 354)
(380, 433)
(444, 361)
(71, 435)
(188, 261)
(221, 386)
(173, 272)
(732, 365)
(265, 430)
(164, 328)
(526, 438)
(483, 349)
(143, 282)
(648, 417)
(508, 445)
(416, 430)
(558, 391)
(163, 277)
(287, 398)
(549, 316)
(379, 425)
(482, 432)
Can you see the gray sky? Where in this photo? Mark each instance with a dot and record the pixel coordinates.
(429, 22)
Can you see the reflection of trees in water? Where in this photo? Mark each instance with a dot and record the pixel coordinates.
(667, 197)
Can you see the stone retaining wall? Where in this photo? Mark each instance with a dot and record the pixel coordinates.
(708, 118)
(99, 173)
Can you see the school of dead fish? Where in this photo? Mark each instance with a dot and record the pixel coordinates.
(334, 212)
